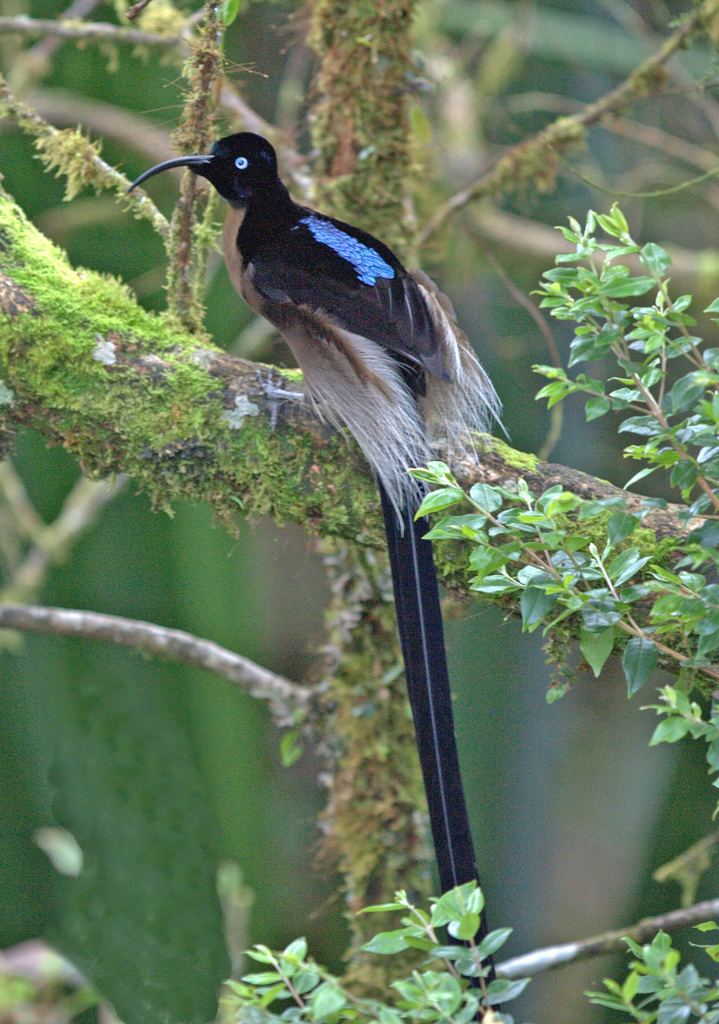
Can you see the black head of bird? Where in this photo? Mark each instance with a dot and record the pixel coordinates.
(239, 166)
(378, 345)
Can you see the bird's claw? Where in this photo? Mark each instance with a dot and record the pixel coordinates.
(270, 381)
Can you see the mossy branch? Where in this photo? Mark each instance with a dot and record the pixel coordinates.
(192, 231)
(125, 392)
(68, 152)
(95, 31)
(535, 160)
(359, 117)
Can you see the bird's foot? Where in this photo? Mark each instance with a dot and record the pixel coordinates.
(270, 381)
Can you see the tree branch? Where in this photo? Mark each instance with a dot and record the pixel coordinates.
(98, 31)
(79, 512)
(127, 393)
(70, 153)
(189, 239)
(535, 159)
(285, 698)
(607, 942)
(531, 239)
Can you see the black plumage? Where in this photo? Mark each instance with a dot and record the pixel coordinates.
(382, 355)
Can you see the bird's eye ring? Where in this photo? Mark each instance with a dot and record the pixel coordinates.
(241, 163)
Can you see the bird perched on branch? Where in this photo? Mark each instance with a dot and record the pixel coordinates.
(381, 354)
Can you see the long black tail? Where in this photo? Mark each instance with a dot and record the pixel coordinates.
(419, 619)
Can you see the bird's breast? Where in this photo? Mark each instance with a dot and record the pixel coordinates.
(240, 273)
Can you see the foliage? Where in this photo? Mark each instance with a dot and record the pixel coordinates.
(450, 986)
(592, 559)
(656, 989)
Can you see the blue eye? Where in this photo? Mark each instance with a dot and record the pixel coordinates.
(241, 163)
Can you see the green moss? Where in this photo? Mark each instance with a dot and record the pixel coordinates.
(522, 461)
(360, 123)
(155, 405)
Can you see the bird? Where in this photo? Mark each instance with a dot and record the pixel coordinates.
(382, 356)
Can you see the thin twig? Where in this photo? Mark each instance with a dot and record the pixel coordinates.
(177, 645)
(536, 157)
(136, 9)
(556, 413)
(99, 31)
(43, 51)
(131, 130)
(607, 942)
(536, 241)
(647, 134)
(26, 520)
(79, 512)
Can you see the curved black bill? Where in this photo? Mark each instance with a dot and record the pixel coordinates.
(166, 165)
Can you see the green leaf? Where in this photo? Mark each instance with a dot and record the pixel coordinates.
(466, 928)
(454, 527)
(599, 611)
(670, 730)
(596, 647)
(620, 525)
(492, 942)
(685, 392)
(229, 11)
(454, 904)
(387, 943)
(502, 990)
(639, 661)
(555, 692)
(262, 978)
(381, 908)
(443, 498)
(326, 1001)
(534, 605)
(494, 584)
(290, 748)
(655, 258)
(630, 987)
(297, 949)
(626, 565)
(434, 472)
(486, 497)
(628, 286)
(596, 407)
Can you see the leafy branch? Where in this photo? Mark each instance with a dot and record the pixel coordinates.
(619, 591)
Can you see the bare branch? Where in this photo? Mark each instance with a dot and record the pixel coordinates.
(130, 129)
(535, 159)
(607, 942)
(26, 521)
(98, 31)
(284, 697)
(43, 51)
(532, 239)
(136, 9)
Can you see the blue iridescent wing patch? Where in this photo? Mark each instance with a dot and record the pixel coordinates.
(367, 262)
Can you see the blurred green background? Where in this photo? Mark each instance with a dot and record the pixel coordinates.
(571, 811)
